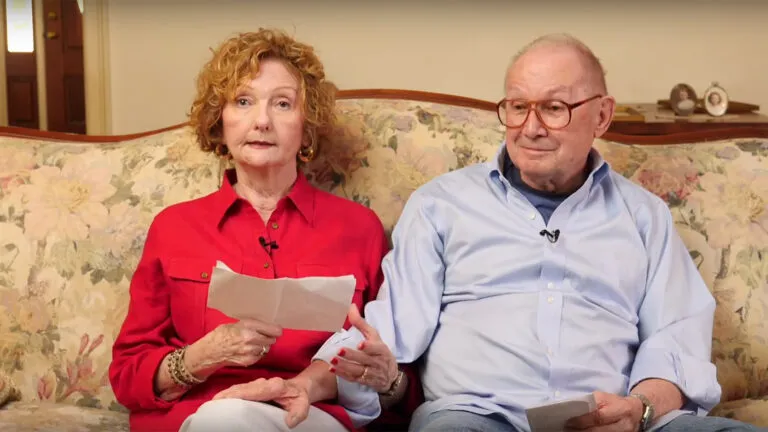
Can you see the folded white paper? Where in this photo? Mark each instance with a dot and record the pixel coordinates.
(310, 303)
(552, 417)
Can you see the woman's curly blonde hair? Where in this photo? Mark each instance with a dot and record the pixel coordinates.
(234, 64)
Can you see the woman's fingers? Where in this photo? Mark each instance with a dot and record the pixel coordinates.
(258, 339)
(349, 370)
(266, 329)
(373, 374)
(356, 356)
(375, 349)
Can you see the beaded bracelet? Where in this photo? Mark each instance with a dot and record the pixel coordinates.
(178, 371)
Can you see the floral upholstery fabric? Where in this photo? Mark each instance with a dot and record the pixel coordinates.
(752, 411)
(8, 390)
(52, 417)
(73, 218)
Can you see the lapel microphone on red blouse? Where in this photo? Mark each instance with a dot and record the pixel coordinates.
(268, 246)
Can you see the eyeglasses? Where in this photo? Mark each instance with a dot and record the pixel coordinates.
(552, 113)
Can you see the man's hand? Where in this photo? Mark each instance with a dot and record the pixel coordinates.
(291, 395)
(613, 414)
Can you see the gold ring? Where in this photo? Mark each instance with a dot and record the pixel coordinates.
(264, 350)
(365, 372)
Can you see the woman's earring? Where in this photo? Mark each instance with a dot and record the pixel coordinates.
(307, 153)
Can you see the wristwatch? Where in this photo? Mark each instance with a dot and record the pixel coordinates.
(648, 412)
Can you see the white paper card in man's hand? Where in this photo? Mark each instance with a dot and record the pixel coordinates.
(311, 303)
(553, 416)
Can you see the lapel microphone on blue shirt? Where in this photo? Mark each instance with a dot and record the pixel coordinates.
(551, 236)
(268, 246)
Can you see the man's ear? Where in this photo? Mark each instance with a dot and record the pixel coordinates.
(607, 110)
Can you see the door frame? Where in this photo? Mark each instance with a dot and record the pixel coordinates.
(98, 108)
(96, 67)
(3, 78)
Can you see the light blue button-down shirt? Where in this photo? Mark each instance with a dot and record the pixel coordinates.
(503, 319)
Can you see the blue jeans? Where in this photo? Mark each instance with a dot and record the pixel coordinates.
(464, 421)
(691, 423)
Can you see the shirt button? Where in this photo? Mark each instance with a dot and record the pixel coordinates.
(550, 299)
(557, 393)
(551, 286)
(275, 225)
(204, 275)
(532, 216)
(549, 351)
(266, 265)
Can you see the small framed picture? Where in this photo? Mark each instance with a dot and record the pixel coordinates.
(682, 99)
(716, 100)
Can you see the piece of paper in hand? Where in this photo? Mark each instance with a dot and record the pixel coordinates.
(552, 417)
(310, 303)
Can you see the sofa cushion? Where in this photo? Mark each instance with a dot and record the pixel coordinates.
(73, 219)
(753, 411)
(47, 416)
(8, 390)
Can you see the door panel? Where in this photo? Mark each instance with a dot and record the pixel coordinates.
(22, 95)
(21, 84)
(64, 66)
(20, 81)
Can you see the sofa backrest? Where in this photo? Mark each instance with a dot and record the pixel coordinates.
(74, 216)
(73, 219)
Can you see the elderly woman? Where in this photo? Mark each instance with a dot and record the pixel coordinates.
(263, 101)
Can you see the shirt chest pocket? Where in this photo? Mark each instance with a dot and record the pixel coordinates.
(188, 280)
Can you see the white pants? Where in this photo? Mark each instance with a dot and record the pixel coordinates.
(237, 415)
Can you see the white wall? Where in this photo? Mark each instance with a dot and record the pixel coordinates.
(453, 46)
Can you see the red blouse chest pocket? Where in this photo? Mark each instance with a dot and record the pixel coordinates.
(188, 280)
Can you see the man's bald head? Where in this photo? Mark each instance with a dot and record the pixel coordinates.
(595, 72)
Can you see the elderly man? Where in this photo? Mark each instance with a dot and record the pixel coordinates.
(540, 276)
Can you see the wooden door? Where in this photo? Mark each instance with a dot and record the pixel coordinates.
(64, 80)
(20, 64)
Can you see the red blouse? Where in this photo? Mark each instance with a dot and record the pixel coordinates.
(317, 233)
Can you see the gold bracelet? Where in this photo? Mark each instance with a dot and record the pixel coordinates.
(173, 368)
(186, 374)
(178, 371)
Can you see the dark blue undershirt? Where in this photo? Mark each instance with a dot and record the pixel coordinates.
(545, 202)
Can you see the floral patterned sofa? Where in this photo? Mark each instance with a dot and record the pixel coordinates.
(74, 212)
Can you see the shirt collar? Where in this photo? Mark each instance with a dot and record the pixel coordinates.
(302, 196)
(597, 172)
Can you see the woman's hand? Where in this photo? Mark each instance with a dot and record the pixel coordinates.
(372, 364)
(290, 394)
(242, 344)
